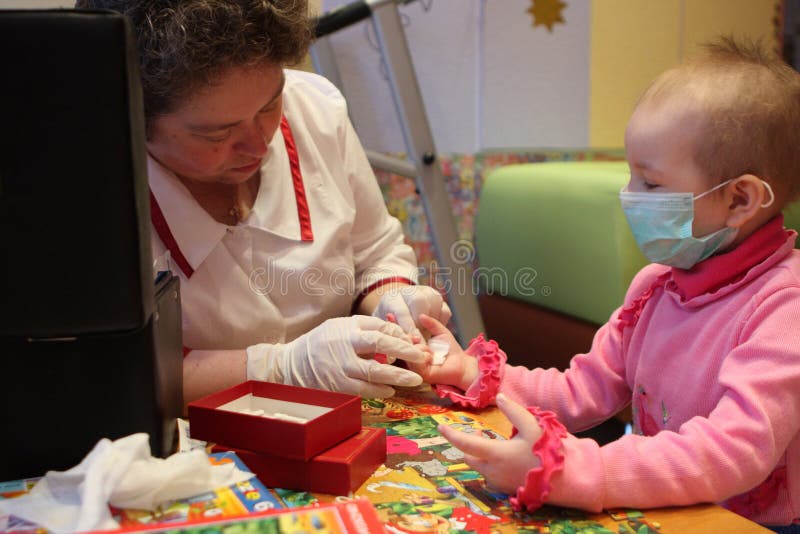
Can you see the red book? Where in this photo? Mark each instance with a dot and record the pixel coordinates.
(357, 515)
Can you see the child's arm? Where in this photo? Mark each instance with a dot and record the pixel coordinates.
(593, 390)
(747, 442)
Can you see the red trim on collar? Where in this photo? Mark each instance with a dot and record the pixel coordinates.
(723, 269)
(372, 287)
(165, 234)
(303, 214)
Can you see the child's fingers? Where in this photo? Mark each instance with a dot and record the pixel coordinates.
(478, 464)
(519, 416)
(477, 447)
(432, 325)
(483, 455)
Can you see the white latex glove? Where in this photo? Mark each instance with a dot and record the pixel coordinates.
(337, 356)
(407, 303)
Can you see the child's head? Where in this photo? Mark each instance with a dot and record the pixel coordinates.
(729, 116)
(745, 103)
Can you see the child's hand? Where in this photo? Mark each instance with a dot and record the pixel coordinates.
(458, 369)
(503, 463)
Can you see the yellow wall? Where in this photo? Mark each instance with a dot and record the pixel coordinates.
(634, 40)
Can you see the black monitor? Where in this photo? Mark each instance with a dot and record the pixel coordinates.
(90, 342)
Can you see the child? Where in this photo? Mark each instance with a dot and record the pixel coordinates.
(706, 346)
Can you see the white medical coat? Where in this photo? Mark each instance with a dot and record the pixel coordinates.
(260, 281)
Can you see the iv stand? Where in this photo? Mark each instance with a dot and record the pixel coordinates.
(455, 273)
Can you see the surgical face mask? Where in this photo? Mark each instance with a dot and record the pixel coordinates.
(662, 226)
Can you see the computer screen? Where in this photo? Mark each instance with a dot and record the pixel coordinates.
(73, 187)
(90, 344)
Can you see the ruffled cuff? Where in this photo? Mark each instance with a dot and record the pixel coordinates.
(551, 454)
(491, 368)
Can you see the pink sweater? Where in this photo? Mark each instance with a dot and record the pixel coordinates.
(710, 360)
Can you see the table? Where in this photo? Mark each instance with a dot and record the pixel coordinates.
(422, 484)
(406, 491)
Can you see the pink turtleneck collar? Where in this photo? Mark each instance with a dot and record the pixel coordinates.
(724, 269)
(716, 272)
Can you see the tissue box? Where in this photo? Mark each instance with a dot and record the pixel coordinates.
(304, 421)
(337, 471)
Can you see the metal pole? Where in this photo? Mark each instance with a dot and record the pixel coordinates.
(455, 273)
(394, 165)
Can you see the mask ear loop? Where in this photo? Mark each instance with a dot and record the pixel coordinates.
(771, 195)
(723, 184)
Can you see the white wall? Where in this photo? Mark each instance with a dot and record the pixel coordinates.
(489, 78)
(535, 83)
(445, 59)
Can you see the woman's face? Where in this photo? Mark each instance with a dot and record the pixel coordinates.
(220, 133)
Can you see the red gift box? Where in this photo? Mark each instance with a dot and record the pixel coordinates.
(297, 422)
(337, 471)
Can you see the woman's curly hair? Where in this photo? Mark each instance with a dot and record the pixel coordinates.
(185, 44)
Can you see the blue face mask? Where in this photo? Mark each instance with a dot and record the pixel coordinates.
(662, 226)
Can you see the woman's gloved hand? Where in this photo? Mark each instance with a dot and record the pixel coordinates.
(407, 303)
(337, 356)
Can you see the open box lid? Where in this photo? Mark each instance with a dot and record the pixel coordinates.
(316, 420)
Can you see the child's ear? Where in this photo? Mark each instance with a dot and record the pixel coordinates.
(749, 195)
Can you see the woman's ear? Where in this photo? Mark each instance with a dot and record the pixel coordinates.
(748, 196)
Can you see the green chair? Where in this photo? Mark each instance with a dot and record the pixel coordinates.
(555, 256)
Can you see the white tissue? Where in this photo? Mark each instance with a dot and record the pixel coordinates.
(122, 473)
(440, 350)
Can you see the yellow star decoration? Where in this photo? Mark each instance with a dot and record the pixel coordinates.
(546, 12)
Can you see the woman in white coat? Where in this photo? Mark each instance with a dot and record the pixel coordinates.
(262, 196)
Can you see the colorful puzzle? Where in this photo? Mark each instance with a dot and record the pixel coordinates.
(425, 486)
